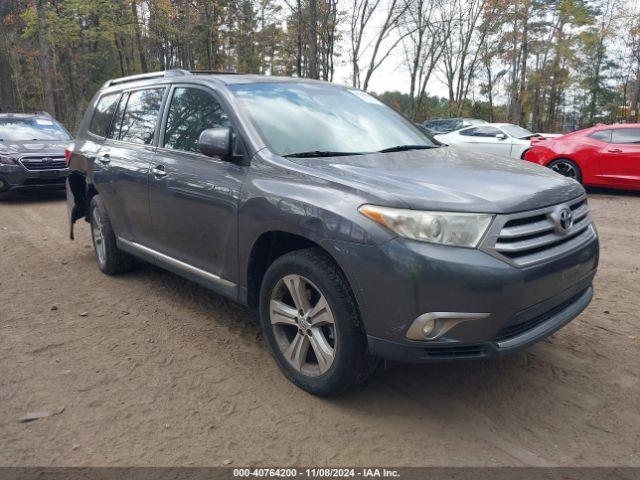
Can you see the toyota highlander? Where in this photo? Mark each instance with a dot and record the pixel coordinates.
(354, 234)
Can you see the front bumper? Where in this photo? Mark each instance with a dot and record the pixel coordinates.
(398, 281)
(16, 177)
(527, 330)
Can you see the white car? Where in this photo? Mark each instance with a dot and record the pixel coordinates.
(504, 139)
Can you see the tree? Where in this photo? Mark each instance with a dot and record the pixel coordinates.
(423, 47)
(372, 46)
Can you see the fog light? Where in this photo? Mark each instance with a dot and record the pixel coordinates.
(433, 325)
(428, 327)
(1, 185)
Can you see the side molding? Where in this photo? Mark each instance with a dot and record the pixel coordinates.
(207, 279)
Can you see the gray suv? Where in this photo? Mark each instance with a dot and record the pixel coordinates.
(355, 236)
(32, 152)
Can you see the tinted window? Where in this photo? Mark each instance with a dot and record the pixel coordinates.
(486, 132)
(141, 116)
(626, 135)
(31, 128)
(603, 135)
(114, 131)
(103, 114)
(192, 110)
(469, 132)
(453, 124)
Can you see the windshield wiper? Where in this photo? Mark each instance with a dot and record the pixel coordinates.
(404, 148)
(320, 153)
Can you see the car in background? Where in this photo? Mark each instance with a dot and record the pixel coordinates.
(603, 156)
(504, 139)
(427, 131)
(446, 125)
(32, 152)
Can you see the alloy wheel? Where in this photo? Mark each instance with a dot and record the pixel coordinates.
(565, 168)
(303, 325)
(98, 237)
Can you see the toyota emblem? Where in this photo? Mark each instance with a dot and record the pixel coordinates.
(565, 220)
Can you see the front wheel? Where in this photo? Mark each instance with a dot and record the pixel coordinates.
(311, 323)
(566, 167)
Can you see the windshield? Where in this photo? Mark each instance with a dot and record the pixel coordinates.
(31, 128)
(303, 117)
(516, 131)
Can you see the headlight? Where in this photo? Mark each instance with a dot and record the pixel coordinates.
(6, 160)
(446, 228)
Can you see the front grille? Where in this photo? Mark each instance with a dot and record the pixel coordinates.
(531, 237)
(43, 162)
(44, 181)
(455, 351)
(511, 331)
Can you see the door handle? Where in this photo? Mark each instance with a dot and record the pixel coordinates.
(615, 150)
(105, 159)
(159, 171)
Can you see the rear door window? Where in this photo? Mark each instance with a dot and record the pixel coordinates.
(103, 114)
(114, 131)
(141, 116)
(626, 135)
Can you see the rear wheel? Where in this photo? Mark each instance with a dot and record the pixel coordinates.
(111, 260)
(311, 323)
(566, 167)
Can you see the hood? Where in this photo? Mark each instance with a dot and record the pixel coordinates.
(34, 147)
(450, 179)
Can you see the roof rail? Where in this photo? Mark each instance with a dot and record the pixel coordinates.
(147, 76)
(42, 113)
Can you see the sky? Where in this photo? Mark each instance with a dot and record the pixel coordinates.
(392, 74)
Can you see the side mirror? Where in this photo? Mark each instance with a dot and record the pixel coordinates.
(501, 136)
(215, 142)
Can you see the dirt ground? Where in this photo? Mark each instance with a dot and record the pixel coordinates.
(154, 370)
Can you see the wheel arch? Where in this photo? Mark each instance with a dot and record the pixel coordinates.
(268, 247)
(79, 192)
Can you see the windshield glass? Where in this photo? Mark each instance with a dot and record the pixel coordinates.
(516, 131)
(31, 128)
(304, 117)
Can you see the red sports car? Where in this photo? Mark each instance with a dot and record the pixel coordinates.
(603, 156)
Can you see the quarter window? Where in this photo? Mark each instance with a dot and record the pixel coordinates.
(141, 116)
(192, 110)
(626, 135)
(103, 114)
(602, 135)
(486, 132)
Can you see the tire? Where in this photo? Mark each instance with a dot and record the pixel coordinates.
(566, 167)
(331, 328)
(111, 260)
